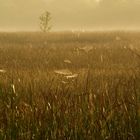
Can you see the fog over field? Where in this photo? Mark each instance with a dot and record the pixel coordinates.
(70, 14)
(79, 80)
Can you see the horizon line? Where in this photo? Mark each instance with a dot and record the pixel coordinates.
(72, 30)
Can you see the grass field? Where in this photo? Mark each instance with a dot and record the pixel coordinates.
(70, 86)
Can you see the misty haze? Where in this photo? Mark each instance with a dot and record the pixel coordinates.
(69, 69)
(70, 14)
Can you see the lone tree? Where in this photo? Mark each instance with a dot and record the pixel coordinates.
(45, 21)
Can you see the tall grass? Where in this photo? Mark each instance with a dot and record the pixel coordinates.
(94, 95)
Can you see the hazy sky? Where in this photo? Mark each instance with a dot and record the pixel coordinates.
(70, 14)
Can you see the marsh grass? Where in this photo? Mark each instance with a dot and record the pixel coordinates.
(93, 95)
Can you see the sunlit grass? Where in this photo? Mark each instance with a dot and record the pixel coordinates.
(64, 86)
